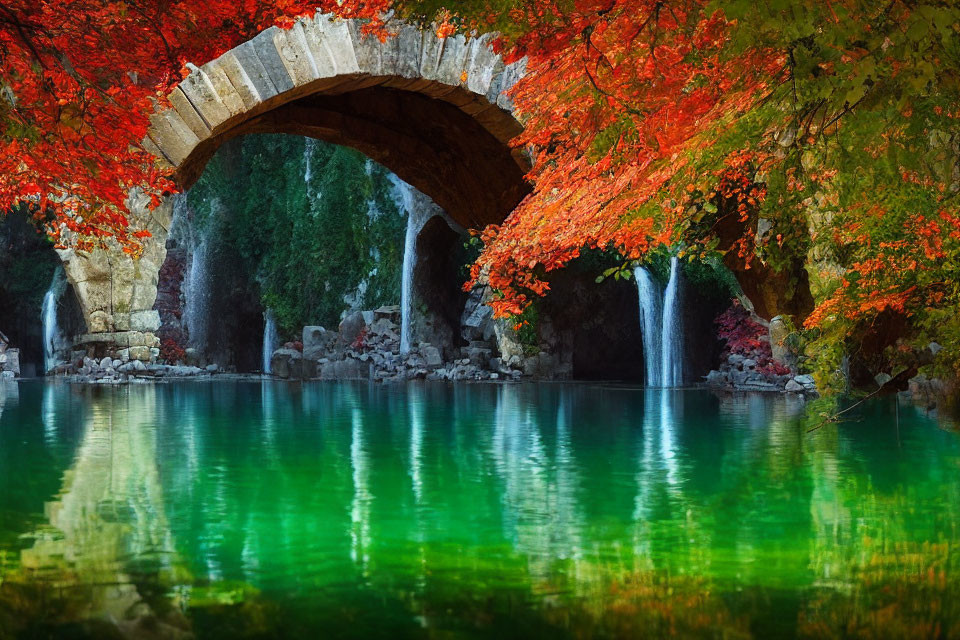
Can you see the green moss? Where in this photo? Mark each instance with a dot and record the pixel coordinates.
(308, 245)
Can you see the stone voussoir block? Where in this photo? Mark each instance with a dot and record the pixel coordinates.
(255, 71)
(295, 54)
(367, 49)
(481, 65)
(330, 42)
(172, 135)
(188, 113)
(205, 98)
(265, 46)
(241, 82)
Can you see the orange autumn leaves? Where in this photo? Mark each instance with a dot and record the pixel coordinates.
(617, 95)
(78, 79)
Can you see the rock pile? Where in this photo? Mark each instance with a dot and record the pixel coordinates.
(367, 346)
(9, 359)
(743, 373)
(114, 371)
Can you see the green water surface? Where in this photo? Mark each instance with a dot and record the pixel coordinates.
(250, 509)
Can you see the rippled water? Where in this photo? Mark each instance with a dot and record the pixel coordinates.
(265, 510)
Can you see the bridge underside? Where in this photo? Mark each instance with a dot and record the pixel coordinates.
(429, 143)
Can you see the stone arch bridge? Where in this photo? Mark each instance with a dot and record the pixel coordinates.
(434, 111)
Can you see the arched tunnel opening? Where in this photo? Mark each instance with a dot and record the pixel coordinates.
(30, 273)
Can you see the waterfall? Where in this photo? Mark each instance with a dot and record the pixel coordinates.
(197, 289)
(307, 161)
(651, 319)
(416, 217)
(672, 332)
(51, 332)
(661, 323)
(269, 341)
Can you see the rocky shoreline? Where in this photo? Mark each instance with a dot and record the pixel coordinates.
(740, 373)
(367, 346)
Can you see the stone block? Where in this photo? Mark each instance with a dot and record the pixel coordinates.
(295, 54)
(189, 113)
(265, 46)
(452, 60)
(230, 95)
(331, 44)
(482, 65)
(144, 320)
(367, 49)
(205, 99)
(140, 353)
(239, 79)
(99, 322)
(173, 136)
(254, 70)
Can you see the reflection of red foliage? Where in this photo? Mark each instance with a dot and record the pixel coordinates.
(172, 352)
(746, 337)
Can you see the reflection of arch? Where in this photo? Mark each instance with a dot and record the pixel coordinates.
(108, 533)
(431, 110)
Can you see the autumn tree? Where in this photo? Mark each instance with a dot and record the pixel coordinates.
(78, 81)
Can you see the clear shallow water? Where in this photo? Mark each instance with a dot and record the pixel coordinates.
(264, 510)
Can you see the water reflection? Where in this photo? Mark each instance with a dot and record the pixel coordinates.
(598, 510)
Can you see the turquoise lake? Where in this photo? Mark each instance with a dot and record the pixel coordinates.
(249, 509)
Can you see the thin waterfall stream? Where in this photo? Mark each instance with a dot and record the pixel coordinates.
(416, 218)
(661, 324)
(51, 331)
(270, 341)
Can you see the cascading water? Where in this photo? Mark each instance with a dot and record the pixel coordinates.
(651, 323)
(661, 322)
(51, 332)
(269, 341)
(309, 147)
(197, 289)
(672, 332)
(416, 217)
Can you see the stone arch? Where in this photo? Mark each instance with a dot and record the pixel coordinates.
(431, 110)
(434, 111)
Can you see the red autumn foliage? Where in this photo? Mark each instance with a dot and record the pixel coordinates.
(746, 337)
(617, 92)
(78, 80)
(360, 342)
(172, 352)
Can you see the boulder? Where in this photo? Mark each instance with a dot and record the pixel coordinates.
(478, 356)
(280, 362)
(779, 331)
(384, 327)
(302, 368)
(390, 312)
(140, 353)
(476, 322)
(317, 339)
(716, 378)
(350, 328)
(793, 387)
(191, 357)
(432, 356)
(10, 362)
